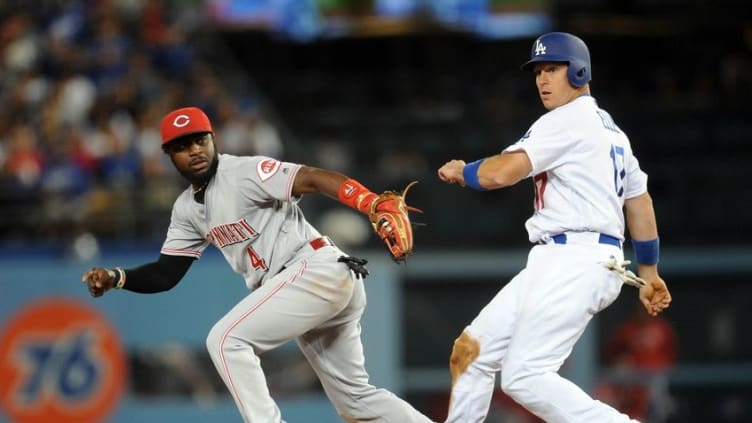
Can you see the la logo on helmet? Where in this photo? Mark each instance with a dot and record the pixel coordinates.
(539, 48)
(181, 121)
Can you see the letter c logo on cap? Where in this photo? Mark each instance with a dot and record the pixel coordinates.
(181, 121)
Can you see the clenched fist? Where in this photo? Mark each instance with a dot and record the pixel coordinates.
(451, 172)
(99, 280)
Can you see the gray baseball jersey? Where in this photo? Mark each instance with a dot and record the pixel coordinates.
(299, 291)
(249, 214)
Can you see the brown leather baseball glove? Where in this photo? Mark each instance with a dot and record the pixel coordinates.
(390, 220)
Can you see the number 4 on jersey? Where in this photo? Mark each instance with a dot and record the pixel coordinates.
(257, 262)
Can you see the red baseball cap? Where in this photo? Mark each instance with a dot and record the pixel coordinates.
(185, 121)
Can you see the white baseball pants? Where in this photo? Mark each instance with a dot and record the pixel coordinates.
(529, 329)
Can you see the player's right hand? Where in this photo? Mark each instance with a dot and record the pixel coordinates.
(99, 280)
(451, 172)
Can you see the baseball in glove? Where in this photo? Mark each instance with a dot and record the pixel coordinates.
(391, 222)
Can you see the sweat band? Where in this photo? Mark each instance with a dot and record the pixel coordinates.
(353, 194)
(120, 278)
(646, 252)
(470, 175)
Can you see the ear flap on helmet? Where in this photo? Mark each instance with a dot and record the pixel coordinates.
(578, 74)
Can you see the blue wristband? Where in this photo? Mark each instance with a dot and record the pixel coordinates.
(647, 252)
(470, 174)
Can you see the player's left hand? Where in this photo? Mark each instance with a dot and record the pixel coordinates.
(391, 222)
(654, 295)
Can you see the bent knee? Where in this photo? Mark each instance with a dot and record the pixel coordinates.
(213, 340)
(220, 337)
(353, 405)
(466, 350)
(515, 384)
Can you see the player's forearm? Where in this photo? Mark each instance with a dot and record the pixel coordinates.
(641, 218)
(310, 180)
(643, 230)
(158, 276)
(335, 185)
(499, 171)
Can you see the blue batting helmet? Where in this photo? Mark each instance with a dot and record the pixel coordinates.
(562, 47)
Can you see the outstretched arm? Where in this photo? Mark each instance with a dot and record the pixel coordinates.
(157, 276)
(336, 185)
(644, 233)
(387, 211)
(499, 171)
(311, 180)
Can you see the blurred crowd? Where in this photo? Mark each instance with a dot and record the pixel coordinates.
(83, 85)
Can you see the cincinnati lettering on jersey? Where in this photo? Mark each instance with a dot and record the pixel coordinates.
(231, 233)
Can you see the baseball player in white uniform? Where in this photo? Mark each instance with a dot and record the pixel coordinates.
(302, 286)
(584, 175)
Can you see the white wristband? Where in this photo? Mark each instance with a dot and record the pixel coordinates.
(121, 278)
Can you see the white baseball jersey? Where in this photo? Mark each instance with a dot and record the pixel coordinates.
(583, 170)
(249, 214)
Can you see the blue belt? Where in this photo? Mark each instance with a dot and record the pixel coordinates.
(602, 239)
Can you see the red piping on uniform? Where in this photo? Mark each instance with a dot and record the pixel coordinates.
(246, 314)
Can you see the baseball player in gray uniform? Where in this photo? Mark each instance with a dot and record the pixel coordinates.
(302, 286)
(584, 175)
